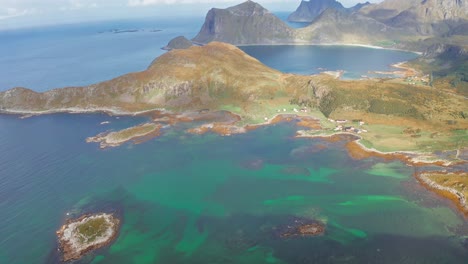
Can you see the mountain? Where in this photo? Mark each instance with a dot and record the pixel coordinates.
(412, 25)
(333, 26)
(428, 17)
(246, 23)
(179, 42)
(358, 6)
(388, 8)
(309, 10)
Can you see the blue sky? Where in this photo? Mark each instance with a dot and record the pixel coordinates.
(19, 13)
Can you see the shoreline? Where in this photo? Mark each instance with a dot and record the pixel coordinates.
(457, 197)
(331, 44)
(319, 44)
(413, 158)
(76, 110)
(277, 118)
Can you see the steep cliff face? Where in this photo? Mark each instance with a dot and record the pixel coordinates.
(428, 17)
(247, 23)
(334, 26)
(437, 10)
(391, 21)
(388, 8)
(309, 10)
(447, 51)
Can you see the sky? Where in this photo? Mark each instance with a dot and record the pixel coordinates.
(23, 13)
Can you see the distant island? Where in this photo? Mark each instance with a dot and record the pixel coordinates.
(120, 31)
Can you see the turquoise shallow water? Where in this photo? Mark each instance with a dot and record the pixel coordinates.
(211, 199)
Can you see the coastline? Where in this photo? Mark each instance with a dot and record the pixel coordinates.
(457, 197)
(359, 151)
(76, 110)
(354, 147)
(333, 44)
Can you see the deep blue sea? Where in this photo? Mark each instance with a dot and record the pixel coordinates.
(201, 199)
(81, 54)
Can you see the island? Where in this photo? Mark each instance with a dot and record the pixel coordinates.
(136, 134)
(179, 42)
(78, 237)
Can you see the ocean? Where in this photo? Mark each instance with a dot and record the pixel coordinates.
(43, 58)
(198, 198)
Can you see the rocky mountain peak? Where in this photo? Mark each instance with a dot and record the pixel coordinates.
(248, 8)
(309, 10)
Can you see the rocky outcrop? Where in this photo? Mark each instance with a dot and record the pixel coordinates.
(87, 233)
(309, 10)
(179, 42)
(247, 23)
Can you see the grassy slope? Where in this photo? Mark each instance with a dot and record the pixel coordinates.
(92, 229)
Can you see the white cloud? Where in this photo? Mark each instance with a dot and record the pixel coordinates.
(156, 2)
(10, 12)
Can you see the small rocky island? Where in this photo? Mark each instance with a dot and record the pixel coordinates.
(179, 42)
(87, 233)
(136, 134)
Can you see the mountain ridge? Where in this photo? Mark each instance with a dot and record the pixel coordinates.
(403, 29)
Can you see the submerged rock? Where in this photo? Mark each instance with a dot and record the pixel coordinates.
(78, 237)
(301, 227)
